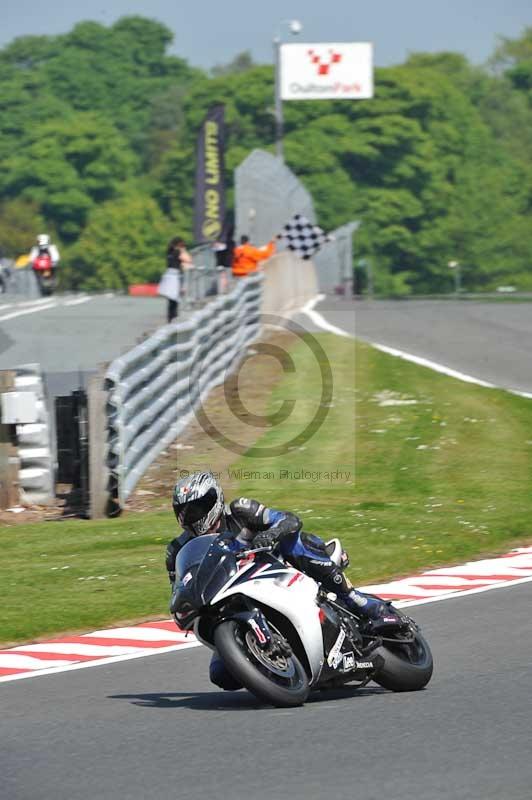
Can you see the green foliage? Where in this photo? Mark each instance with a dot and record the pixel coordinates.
(512, 52)
(19, 222)
(437, 165)
(240, 63)
(123, 242)
(67, 166)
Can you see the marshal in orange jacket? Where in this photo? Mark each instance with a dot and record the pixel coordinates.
(246, 257)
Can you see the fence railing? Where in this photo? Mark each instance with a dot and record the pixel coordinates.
(154, 388)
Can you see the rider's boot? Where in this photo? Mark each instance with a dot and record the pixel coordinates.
(381, 616)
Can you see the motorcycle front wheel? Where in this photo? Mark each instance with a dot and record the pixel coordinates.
(277, 678)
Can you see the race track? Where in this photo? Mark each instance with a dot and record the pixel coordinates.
(489, 341)
(71, 335)
(157, 728)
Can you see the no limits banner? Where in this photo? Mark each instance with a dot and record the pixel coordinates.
(209, 211)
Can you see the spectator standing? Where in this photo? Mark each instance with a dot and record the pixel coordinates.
(246, 258)
(178, 259)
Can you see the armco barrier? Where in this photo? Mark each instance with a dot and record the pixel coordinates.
(152, 390)
(35, 441)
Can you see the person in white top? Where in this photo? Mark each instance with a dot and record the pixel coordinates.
(44, 245)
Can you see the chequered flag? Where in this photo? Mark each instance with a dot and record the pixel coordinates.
(302, 237)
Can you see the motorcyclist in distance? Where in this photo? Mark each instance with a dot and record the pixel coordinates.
(44, 246)
(198, 504)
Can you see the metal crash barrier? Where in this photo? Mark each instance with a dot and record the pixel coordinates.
(24, 411)
(152, 390)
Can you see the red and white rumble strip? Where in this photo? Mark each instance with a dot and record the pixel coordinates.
(475, 576)
(91, 649)
(150, 638)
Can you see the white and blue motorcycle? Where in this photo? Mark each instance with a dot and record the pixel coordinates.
(279, 634)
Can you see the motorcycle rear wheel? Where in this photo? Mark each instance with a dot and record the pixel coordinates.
(407, 667)
(280, 681)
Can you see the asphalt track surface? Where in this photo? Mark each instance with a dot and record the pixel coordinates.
(156, 728)
(70, 336)
(489, 341)
(67, 335)
(71, 332)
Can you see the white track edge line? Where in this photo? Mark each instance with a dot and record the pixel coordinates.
(433, 365)
(98, 662)
(464, 593)
(444, 370)
(33, 310)
(77, 301)
(321, 322)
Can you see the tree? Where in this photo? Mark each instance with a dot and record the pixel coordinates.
(124, 242)
(20, 223)
(437, 165)
(242, 62)
(67, 166)
(510, 53)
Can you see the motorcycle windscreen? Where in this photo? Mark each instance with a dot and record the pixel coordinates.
(203, 567)
(218, 566)
(193, 554)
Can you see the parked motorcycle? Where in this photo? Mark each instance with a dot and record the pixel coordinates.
(44, 271)
(280, 634)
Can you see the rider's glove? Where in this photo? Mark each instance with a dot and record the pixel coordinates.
(264, 539)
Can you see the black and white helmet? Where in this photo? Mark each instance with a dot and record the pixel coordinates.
(198, 502)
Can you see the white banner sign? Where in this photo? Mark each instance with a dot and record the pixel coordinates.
(327, 71)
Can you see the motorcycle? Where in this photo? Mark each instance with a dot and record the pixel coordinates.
(280, 634)
(44, 271)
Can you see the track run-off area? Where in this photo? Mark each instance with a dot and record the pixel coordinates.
(135, 727)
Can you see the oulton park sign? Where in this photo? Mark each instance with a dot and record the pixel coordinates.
(334, 71)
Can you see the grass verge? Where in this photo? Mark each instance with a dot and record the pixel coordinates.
(443, 468)
(410, 468)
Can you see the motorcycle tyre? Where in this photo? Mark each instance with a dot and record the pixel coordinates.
(400, 675)
(245, 671)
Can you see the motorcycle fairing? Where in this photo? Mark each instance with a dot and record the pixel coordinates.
(289, 592)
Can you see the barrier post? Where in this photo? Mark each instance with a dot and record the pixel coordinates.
(9, 482)
(99, 493)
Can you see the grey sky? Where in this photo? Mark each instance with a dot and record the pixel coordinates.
(209, 32)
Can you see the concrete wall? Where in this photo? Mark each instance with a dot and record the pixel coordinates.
(289, 283)
(267, 195)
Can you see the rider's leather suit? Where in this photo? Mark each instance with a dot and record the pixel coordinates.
(242, 521)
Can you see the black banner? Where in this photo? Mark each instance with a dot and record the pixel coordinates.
(209, 211)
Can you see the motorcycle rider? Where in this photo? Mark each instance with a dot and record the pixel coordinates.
(198, 504)
(45, 246)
